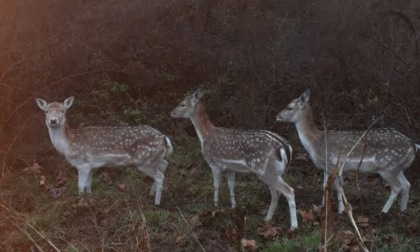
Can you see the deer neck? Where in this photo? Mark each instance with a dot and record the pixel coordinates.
(201, 122)
(61, 138)
(310, 137)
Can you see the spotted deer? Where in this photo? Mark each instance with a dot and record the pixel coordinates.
(89, 148)
(384, 151)
(262, 153)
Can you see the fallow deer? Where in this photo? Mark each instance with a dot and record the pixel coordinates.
(89, 148)
(262, 153)
(384, 151)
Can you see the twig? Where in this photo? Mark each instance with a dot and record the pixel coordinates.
(326, 201)
(10, 148)
(358, 167)
(353, 222)
(358, 141)
(12, 212)
(143, 218)
(9, 68)
(346, 204)
(186, 222)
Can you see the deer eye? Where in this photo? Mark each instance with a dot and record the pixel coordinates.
(289, 108)
(61, 110)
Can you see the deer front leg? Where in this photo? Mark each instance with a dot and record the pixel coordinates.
(85, 181)
(231, 183)
(216, 184)
(159, 177)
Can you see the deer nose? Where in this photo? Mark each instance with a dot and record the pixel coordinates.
(53, 121)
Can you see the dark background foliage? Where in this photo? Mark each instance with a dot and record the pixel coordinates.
(359, 58)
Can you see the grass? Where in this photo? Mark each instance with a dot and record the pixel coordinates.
(309, 242)
(122, 216)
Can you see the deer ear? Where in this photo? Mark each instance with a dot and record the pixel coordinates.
(197, 95)
(68, 102)
(41, 103)
(304, 98)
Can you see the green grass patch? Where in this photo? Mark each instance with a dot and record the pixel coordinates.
(305, 242)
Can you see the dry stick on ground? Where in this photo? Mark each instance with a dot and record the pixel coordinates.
(327, 200)
(327, 227)
(358, 167)
(347, 206)
(144, 234)
(363, 153)
(186, 222)
(13, 214)
(331, 178)
(10, 68)
(23, 231)
(10, 147)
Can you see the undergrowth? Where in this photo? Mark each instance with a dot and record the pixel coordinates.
(122, 216)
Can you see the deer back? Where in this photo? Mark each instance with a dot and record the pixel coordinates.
(245, 150)
(117, 145)
(375, 149)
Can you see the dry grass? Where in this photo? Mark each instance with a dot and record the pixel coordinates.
(123, 216)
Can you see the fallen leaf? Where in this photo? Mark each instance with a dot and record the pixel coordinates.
(42, 180)
(122, 186)
(61, 178)
(362, 221)
(232, 235)
(268, 231)
(250, 245)
(215, 212)
(306, 215)
(192, 168)
(195, 221)
(179, 239)
(34, 168)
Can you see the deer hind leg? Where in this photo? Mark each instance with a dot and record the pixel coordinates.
(324, 185)
(275, 195)
(338, 182)
(337, 187)
(279, 186)
(405, 189)
(158, 178)
(394, 181)
(163, 164)
(231, 184)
